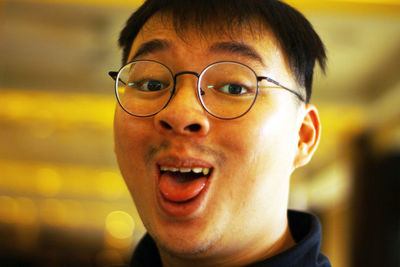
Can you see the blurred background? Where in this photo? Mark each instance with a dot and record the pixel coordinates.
(62, 199)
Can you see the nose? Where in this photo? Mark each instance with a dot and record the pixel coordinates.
(184, 114)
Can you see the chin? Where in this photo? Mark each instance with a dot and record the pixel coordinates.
(185, 244)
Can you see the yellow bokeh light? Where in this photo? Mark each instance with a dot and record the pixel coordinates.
(22, 105)
(48, 182)
(110, 185)
(120, 225)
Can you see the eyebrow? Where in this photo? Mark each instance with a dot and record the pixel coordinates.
(238, 48)
(151, 46)
(233, 47)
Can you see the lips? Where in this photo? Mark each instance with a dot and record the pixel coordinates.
(182, 185)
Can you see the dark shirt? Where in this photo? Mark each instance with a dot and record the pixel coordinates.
(305, 229)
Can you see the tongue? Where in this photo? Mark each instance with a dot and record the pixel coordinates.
(178, 189)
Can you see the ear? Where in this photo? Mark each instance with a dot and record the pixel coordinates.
(309, 135)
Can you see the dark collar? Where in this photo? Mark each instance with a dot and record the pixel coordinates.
(305, 229)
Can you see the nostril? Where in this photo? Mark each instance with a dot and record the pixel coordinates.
(193, 127)
(165, 125)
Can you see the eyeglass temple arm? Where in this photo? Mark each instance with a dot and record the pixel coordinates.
(280, 85)
(114, 75)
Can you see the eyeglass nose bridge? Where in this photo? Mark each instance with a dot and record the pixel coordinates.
(199, 90)
(186, 72)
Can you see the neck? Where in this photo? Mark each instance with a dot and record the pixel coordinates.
(255, 252)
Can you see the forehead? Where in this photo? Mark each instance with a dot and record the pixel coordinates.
(199, 38)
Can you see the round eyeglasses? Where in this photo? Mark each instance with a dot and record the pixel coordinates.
(226, 90)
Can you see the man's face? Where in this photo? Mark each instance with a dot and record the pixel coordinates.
(243, 202)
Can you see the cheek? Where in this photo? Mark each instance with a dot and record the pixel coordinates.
(131, 141)
(260, 148)
(252, 136)
(130, 135)
(132, 138)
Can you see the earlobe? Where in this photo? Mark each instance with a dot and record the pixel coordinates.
(309, 135)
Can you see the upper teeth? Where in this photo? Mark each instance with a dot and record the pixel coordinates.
(205, 171)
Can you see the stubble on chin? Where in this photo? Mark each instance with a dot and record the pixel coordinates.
(185, 248)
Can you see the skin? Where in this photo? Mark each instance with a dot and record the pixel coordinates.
(243, 218)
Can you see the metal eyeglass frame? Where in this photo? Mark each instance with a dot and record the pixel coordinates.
(115, 76)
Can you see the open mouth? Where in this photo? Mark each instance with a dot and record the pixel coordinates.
(182, 185)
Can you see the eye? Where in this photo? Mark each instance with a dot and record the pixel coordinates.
(148, 85)
(233, 89)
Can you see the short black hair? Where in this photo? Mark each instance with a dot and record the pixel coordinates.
(300, 43)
